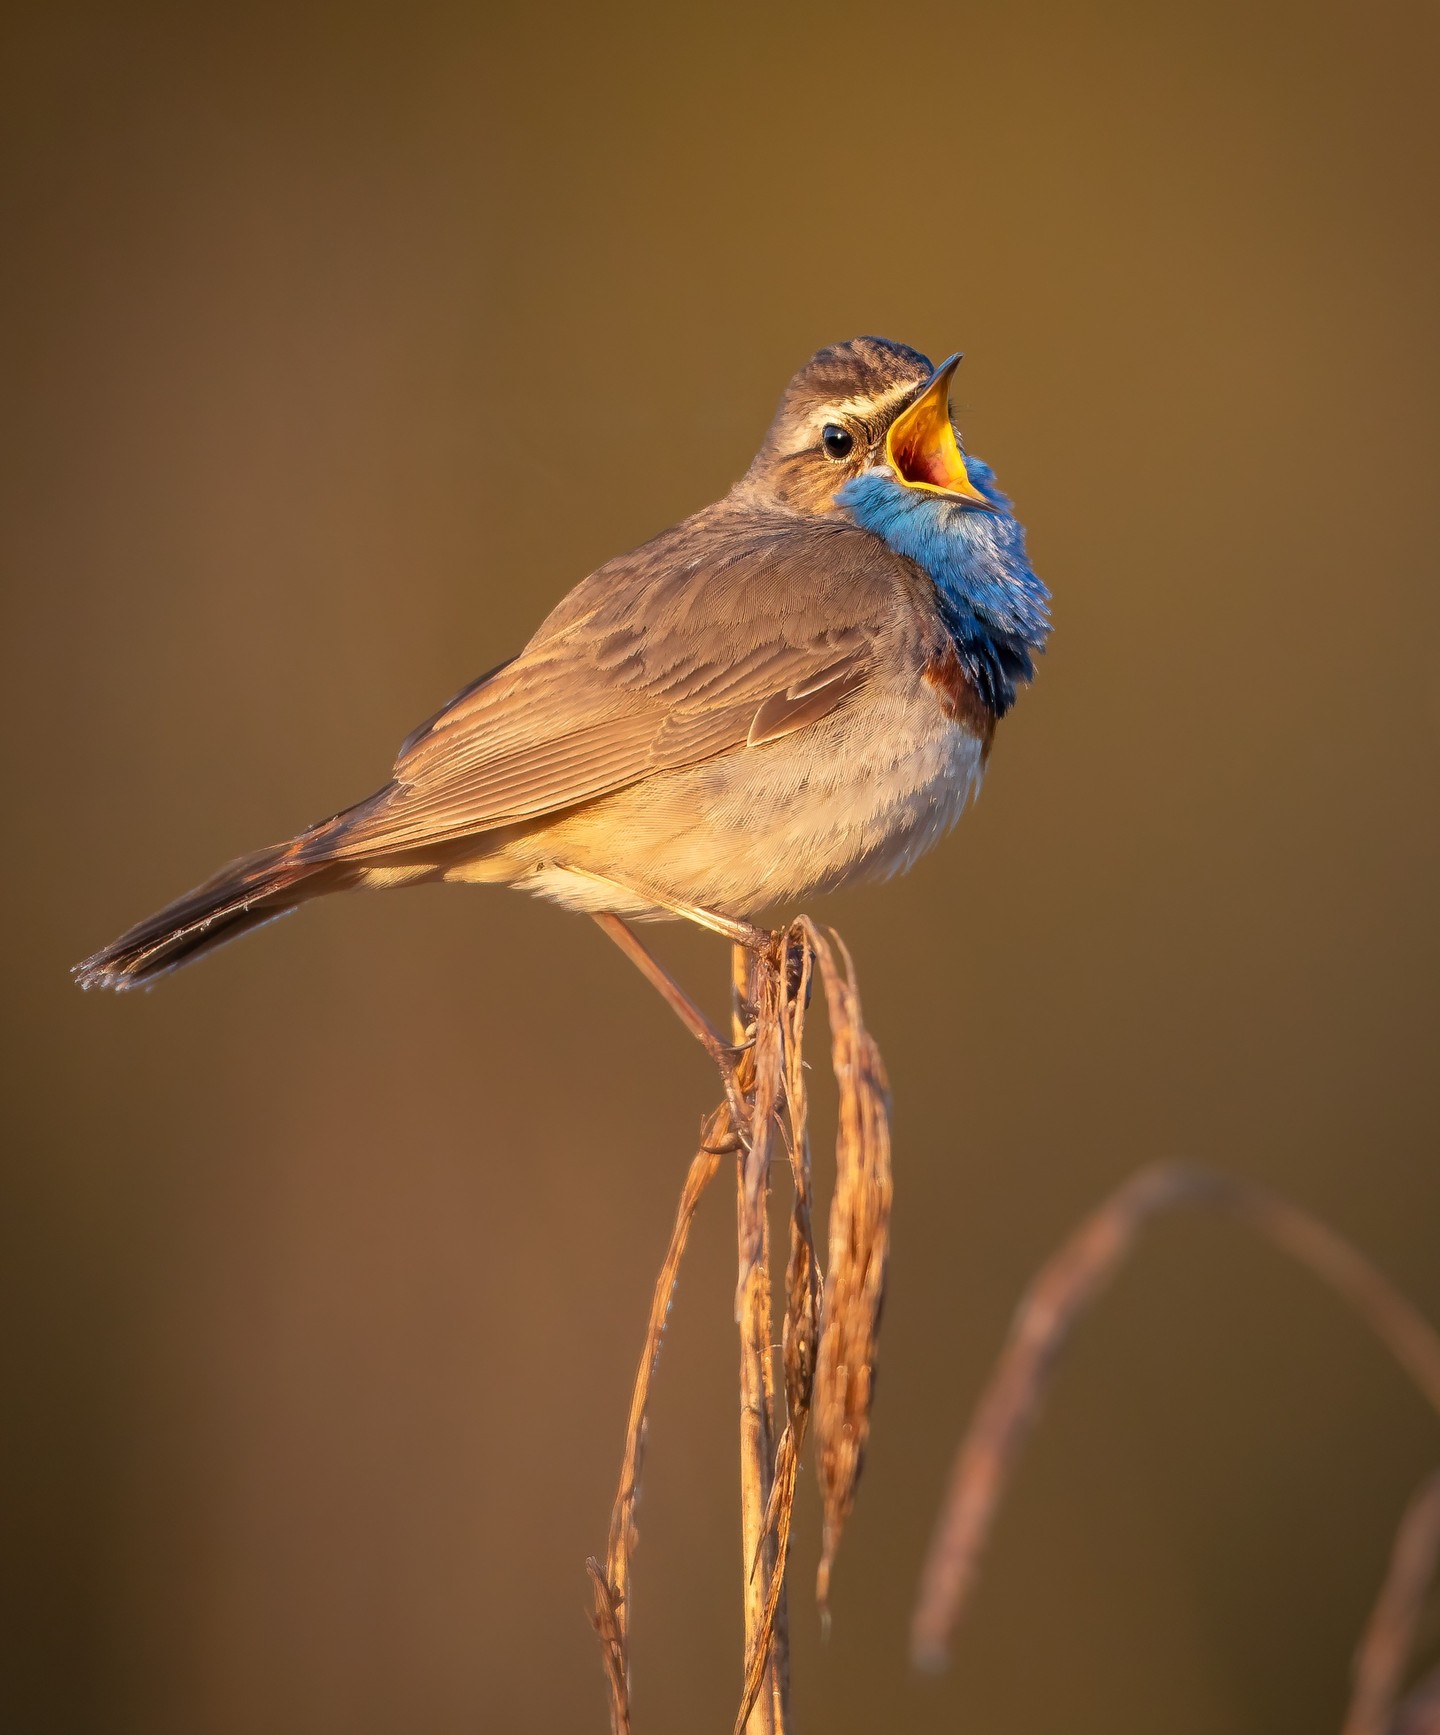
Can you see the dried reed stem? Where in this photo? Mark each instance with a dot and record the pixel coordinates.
(756, 988)
(767, 1712)
(858, 1249)
(1390, 1633)
(1051, 1307)
(801, 1332)
(1420, 1714)
(611, 1584)
(828, 1333)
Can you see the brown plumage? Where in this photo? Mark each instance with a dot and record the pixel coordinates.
(757, 704)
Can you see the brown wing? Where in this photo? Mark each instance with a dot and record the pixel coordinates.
(720, 634)
(806, 701)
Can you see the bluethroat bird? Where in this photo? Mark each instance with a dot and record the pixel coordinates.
(793, 690)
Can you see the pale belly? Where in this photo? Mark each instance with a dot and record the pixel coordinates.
(857, 797)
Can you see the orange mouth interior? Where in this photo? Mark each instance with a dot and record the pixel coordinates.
(921, 445)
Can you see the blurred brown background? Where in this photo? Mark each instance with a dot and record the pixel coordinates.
(337, 343)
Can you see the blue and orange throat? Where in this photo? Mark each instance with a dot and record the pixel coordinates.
(994, 607)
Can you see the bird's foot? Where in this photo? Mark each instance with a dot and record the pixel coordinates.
(787, 959)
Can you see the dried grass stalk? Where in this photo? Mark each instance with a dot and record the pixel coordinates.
(800, 1335)
(802, 1276)
(761, 1079)
(1051, 1307)
(1390, 1633)
(611, 1584)
(1055, 1302)
(757, 983)
(858, 1245)
(765, 1694)
(1420, 1714)
(829, 1329)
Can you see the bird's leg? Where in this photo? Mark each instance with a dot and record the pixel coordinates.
(744, 934)
(738, 933)
(684, 1008)
(667, 987)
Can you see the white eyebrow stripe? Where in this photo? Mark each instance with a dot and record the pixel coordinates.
(862, 409)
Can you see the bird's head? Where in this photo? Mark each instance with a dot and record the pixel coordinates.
(864, 431)
(863, 405)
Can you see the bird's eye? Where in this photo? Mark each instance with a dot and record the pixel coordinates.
(836, 440)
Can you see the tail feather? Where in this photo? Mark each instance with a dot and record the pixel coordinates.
(256, 889)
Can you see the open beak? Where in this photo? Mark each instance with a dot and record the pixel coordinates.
(921, 444)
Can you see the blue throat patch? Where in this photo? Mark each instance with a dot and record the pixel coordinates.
(994, 607)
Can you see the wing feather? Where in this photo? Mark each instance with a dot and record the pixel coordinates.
(717, 637)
